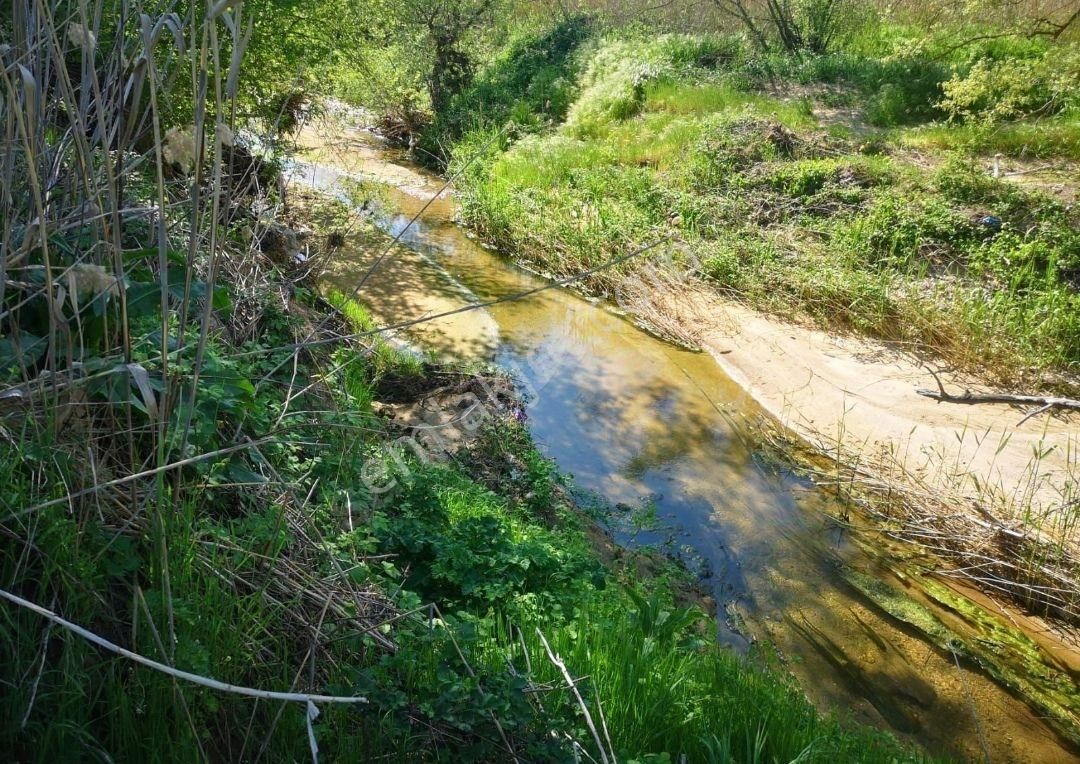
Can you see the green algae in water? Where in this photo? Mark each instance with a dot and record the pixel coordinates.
(1015, 659)
(1005, 653)
(904, 608)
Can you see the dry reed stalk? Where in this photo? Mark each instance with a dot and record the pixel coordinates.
(994, 551)
(84, 114)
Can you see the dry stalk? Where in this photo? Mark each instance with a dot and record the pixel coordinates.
(606, 756)
(213, 684)
(972, 544)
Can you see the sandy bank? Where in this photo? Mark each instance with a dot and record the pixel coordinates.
(861, 393)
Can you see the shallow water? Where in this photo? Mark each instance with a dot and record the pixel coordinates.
(645, 424)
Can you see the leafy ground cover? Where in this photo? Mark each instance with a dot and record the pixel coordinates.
(196, 471)
(279, 567)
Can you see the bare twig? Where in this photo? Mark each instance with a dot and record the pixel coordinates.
(971, 706)
(1046, 402)
(37, 677)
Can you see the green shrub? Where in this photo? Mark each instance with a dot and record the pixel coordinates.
(902, 90)
(908, 232)
(994, 91)
(824, 186)
(530, 83)
(467, 548)
(730, 145)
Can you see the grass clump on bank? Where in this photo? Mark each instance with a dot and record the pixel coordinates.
(331, 558)
(778, 204)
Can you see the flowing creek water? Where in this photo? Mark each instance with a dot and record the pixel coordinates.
(643, 423)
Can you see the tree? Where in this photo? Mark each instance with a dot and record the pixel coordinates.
(799, 26)
(446, 25)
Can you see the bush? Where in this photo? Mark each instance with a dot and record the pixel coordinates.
(468, 548)
(902, 89)
(994, 91)
(531, 85)
(899, 231)
(730, 145)
(806, 178)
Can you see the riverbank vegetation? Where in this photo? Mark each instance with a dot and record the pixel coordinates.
(216, 543)
(897, 184)
(860, 169)
(905, 172)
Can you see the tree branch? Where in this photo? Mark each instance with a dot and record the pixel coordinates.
(1045, 403)
(213, 684)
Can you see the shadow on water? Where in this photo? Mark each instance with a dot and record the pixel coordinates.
(640, 422)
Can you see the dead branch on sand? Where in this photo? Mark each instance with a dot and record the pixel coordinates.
(1044, 403)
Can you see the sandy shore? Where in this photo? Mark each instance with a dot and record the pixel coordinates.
(861, 393)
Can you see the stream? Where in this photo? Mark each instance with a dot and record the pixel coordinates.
(659, 432)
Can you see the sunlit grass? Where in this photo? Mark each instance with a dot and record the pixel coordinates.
(1044, 139)
(677, 97)
(665, 689)
(699, 156)
(385, 357)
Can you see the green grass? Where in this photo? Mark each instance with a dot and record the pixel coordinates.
(791, 218)
(383, 358)
(663, 690)
(286, 565)
(698, 99)
(496, 563)
(1051, 139)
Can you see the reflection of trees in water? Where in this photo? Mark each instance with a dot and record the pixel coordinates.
(628, 416)
(673, 430)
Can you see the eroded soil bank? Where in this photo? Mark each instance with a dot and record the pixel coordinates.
(664, 433)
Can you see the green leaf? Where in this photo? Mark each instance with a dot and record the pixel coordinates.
(143, 300)
(239, 472)
(151, 254)
(26, 351)
(222, 299)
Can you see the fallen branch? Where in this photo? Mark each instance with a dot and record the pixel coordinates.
(1044, 403)
(213, 684)
(606, 757)
(1030, 170)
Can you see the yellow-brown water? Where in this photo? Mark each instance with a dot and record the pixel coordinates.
(642, 423)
